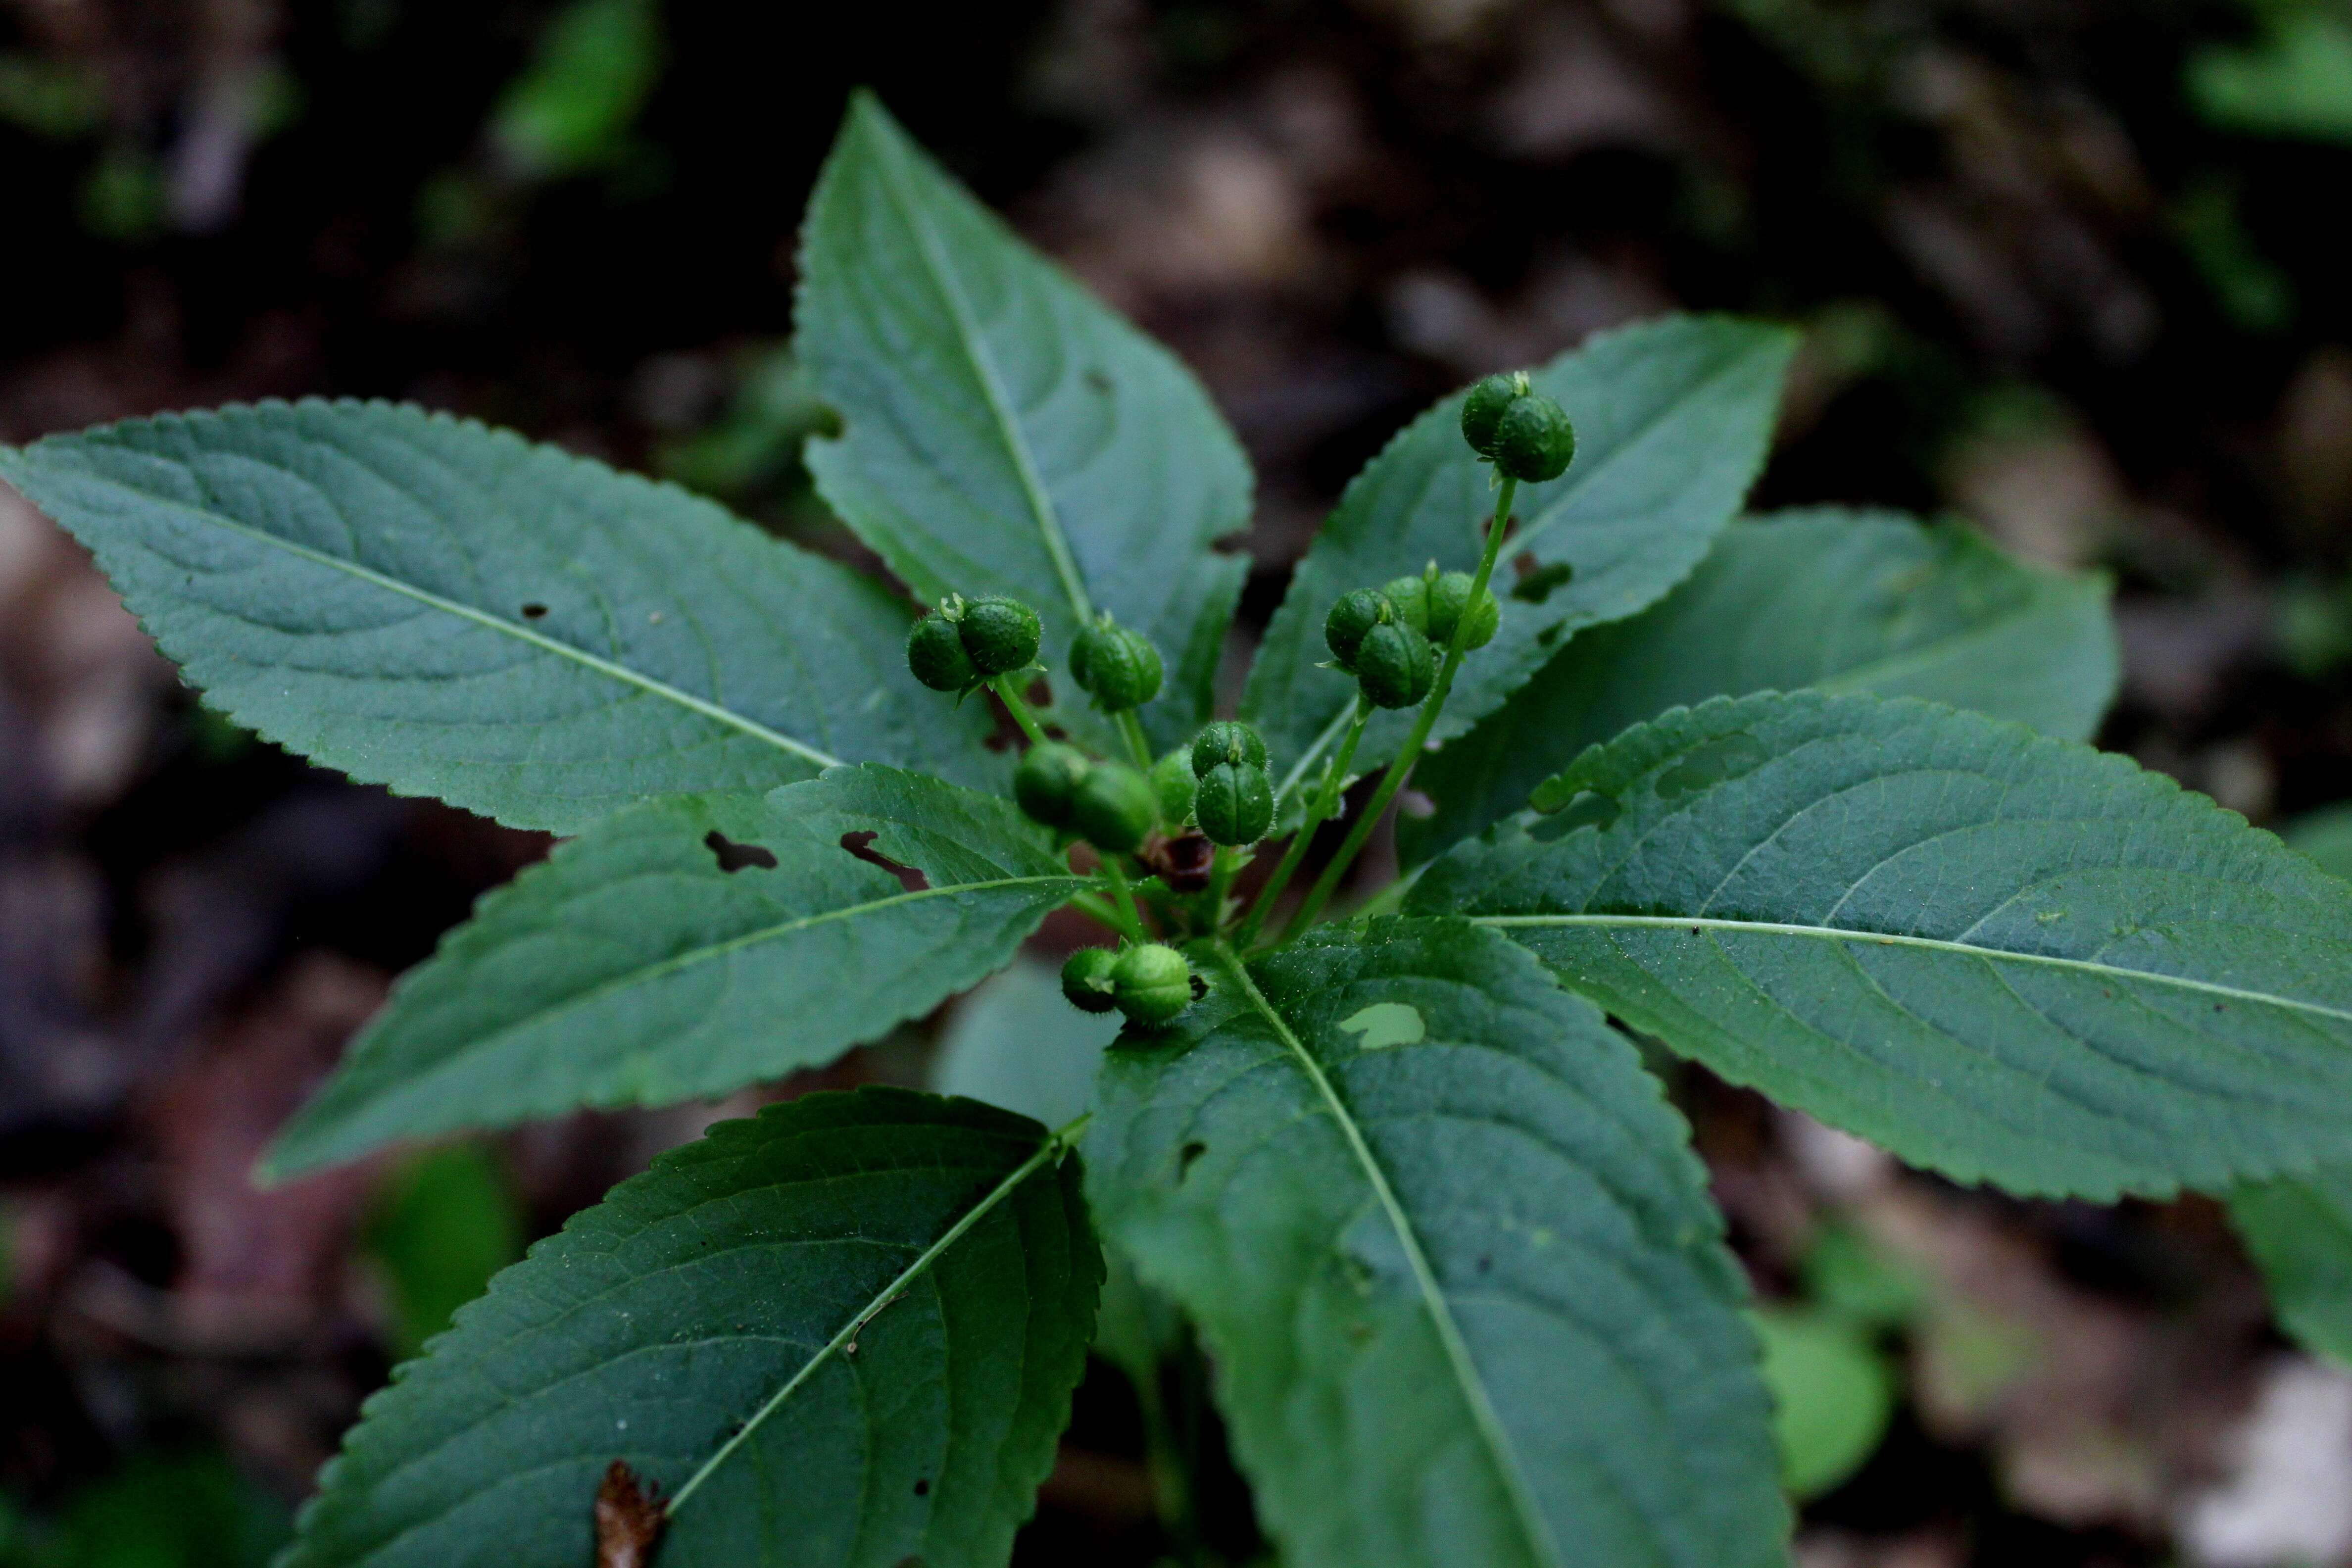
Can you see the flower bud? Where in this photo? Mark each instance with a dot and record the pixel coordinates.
(999, 634)
(1534, 441)
(1152, 983)
(935, 653)
(1449, 605)
(1117, 667)
(1235, 804)
(1047, 780)
(1171, 779)
(1085, 978)
(1482, 409)
(1393, 666)
(1113, 807)
(1226, 740)
(1358, 611)
(1410, 598)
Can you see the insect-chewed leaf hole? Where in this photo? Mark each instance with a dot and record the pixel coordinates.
(861, 845)
(1187, 1155)
(1539, 582)
(1588, 808)
(534, 611)
(1720, 760)
(1385, 1024)
(733, 857)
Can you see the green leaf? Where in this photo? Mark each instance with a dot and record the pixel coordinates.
(445, 1223)
(1017, 1043)
(1837, 600)
(1004, 432)
(633, 969)
(448, 609)
(2327, 837)
(843, 1332)
(1671, 418)
(1832, 1395)
(592, 71)
(2299, 1230)
(2006, 957)
(2296, 81)
(1466, 1297)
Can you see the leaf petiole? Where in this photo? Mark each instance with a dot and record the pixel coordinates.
(1410, 752)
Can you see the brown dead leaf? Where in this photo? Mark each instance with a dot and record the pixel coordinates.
(629, 1519)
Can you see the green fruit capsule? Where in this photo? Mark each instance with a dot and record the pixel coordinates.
(1482, 409)
(999, 634)
(935, 653)
(1409, 597)
(1113, 807)
(1152, 983)
(1085, 978)
(1226, 740)
(1236, 804)
(1449, 599)
(1393, 666)
(1046, 782)
(1117, 667)
(1358, 611)
(1534, 441)
(1171, 779)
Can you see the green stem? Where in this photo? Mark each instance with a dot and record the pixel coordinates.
(1137, 746)
(1018, 706)
(1408, 754)
(1124, 893)
(1335, 780)
(1220, 880)
(1101, 911)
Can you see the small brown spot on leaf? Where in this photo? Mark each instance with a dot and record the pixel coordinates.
(629, 1519)
(861, 844)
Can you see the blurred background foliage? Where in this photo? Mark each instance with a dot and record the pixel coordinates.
(2072, 268)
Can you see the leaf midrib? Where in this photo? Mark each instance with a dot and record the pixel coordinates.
(606, 667)
(1695, 923)
(983, 365)
(647, 974)
(1473, 1387)
(1057, 1140)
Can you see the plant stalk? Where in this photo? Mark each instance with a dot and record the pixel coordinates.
(1409, 754)
(1018, 706)
(1326, 797)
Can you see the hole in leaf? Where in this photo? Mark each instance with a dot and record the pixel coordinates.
(733, 857)
(1587, 809)
(861, 845)
(923, 1488)
(1386, 1024)
(1186, 1155)
(1538, 584)
(1719, 762)
(1549, 635)
(1200, 987)
(533, 611)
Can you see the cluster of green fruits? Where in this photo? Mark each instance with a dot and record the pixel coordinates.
(1390, 637)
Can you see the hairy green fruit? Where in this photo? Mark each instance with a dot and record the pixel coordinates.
(1171, 778)
(1113, 807)
(1409, 597)
(1235, 804)
(1534, 441)
(1450, 607)
(1393, 666)
(1226, 740)
(1357, 612)
(1047, 780)
(1087, 982)
(935, 653)
(1000, 634)
(1482, 409)
(1152, 983)
(1117, 667)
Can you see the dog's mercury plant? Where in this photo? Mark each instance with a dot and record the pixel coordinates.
(1803, 798)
